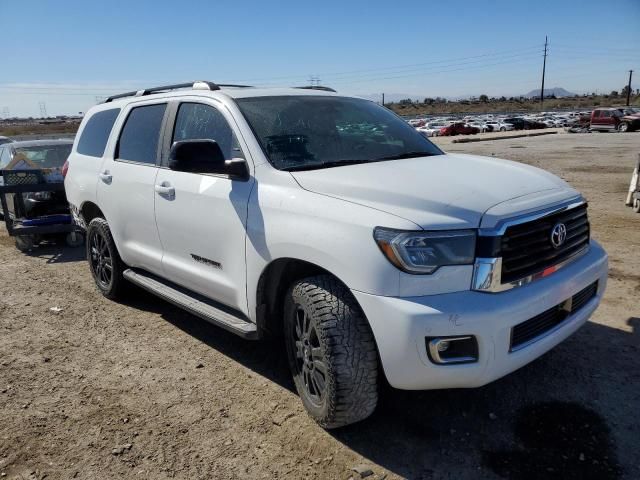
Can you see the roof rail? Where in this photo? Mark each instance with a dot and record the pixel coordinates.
(317, 87)
(197, 85)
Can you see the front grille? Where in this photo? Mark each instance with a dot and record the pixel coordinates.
(527, 249)
(537, 326)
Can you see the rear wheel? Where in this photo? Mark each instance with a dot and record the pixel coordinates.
(623, 127)
(636, 205)
(331, 352)
(104, 260)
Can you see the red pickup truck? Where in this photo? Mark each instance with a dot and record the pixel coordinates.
(625, 119)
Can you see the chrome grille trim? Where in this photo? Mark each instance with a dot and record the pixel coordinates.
(488, 271)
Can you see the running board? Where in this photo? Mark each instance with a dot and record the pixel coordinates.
(193, 303)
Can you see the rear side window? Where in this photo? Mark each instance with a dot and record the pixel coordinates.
(96, 133)
(140, 134)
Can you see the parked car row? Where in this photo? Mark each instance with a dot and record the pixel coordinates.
(621, 119)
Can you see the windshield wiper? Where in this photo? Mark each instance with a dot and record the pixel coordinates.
(316, 166)
(339, 163)
(399, 156)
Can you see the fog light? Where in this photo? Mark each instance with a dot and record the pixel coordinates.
(451, 350)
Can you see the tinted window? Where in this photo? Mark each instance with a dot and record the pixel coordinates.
(317, 131)
(96, 133)
(140, 134)
(199, 121)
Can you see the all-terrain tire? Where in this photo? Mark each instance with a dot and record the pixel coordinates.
(100, 246)
(343, 342)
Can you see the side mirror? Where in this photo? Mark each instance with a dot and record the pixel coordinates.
(205, 156)
(196, 156)
(237, 168)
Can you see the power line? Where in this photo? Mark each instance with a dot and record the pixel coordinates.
(430, 72)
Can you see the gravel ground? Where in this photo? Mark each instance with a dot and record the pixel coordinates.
(143, 390)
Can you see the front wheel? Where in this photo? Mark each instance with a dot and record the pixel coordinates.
(623, 127)
(74, 239)
(636, 205)
(25, 243)
(331, 351)
(104, 260)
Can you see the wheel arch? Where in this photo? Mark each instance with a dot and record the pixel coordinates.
(274, 281)
(89, 211)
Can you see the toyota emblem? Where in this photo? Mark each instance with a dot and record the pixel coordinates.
(558, 235)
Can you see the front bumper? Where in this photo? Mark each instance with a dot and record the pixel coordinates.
(400, 325)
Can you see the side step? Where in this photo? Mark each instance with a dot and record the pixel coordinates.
(194, 303)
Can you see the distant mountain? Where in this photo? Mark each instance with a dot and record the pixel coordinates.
(557, 91)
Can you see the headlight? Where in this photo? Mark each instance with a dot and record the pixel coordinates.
(425, 252)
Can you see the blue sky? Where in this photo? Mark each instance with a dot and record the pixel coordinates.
(66, 53)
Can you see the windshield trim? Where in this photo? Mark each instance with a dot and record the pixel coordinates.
(239, 100)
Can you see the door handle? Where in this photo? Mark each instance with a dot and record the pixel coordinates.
(165, 189)
(106, 177)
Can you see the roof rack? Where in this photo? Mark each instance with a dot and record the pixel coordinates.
(317, 87)
(197, 85)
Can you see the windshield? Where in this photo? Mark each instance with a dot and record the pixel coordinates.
(309, 132)
(41, 156)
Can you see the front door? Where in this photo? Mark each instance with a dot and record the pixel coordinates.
(201, 218)
(126, 187)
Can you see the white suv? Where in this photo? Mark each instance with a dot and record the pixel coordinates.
(331, 221)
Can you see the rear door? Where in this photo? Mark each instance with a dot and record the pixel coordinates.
(607, 120)
(126, 185)
(202, 223)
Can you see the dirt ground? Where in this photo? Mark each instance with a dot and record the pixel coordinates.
(103, 390)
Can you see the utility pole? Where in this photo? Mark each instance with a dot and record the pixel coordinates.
(629, 87)
(544, 67)
(383, 99)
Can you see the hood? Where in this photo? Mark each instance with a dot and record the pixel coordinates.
(442, 191)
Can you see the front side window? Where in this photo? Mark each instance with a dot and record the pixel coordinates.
(96, 133)
(313, 131)
(141, 133)
(196, 121)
